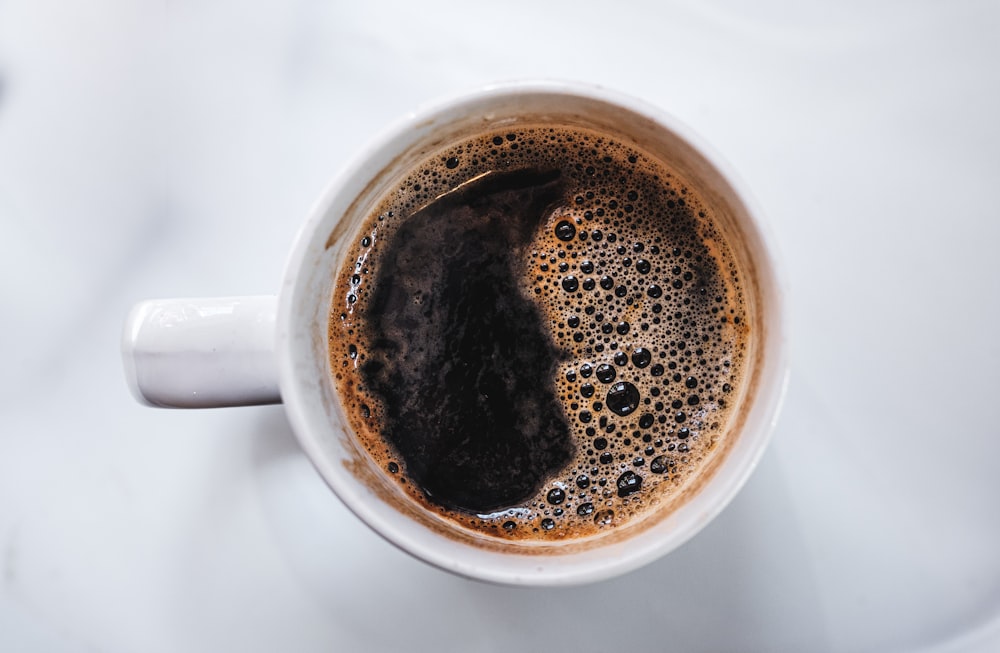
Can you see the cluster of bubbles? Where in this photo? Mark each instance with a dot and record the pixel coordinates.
(642, 295)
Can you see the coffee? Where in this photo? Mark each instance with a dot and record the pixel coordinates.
(541, 332)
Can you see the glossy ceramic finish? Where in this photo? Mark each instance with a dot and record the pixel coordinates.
(202, 353)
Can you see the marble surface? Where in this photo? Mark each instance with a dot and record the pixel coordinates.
(156, 149)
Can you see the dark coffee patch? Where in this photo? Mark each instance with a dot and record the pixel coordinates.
(470, 410)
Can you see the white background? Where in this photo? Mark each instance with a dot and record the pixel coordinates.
(172, 148)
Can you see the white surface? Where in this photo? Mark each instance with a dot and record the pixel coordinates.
(172, 149)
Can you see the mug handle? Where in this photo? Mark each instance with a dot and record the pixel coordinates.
(202, 353)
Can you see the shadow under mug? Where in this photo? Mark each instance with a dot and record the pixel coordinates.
(189, 353)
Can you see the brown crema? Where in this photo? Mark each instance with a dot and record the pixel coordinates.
(541, 332)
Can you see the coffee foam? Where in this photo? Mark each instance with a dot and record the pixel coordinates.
(639, 291)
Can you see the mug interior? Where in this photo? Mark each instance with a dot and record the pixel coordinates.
(311, 397)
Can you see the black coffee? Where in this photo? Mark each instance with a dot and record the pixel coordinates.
(470, 357)
(541, 333)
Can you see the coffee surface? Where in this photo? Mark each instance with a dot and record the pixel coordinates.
(541, 333)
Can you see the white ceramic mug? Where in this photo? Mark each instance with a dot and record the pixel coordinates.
(251, 350)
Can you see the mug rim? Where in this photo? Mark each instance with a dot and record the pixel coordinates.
(552, 569)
